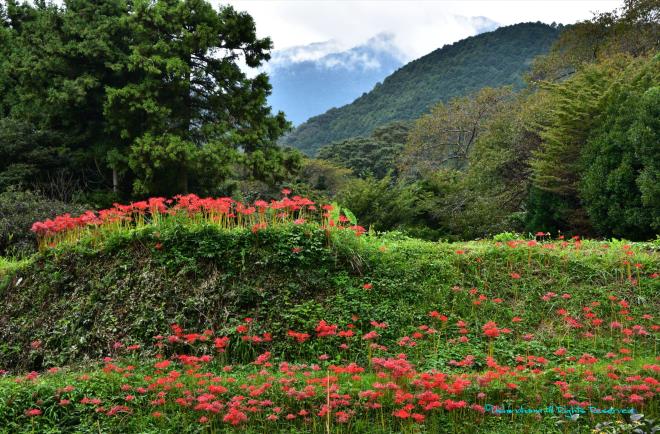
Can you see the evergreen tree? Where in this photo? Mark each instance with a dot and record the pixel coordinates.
(185, 94)
(36, 94)
(142, 96)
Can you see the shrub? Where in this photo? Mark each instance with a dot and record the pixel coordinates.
(383, 203)
(18, 210)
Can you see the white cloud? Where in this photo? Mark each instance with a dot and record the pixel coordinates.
(350, 60)
(335, 54)
(418, 27)
(311, 52)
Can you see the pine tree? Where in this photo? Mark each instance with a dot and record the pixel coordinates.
(135, 96)
(186, 94)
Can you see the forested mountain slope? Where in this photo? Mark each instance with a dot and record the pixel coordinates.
(490, 59)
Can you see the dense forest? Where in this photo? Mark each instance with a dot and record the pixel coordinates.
(113, 98)
(576, 150)
(492, 59)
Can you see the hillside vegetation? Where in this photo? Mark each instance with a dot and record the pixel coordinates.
(292, 306)
(229, 308)
(490, 59)
(575, 151)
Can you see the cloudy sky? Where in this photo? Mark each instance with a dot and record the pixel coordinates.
(417, 27)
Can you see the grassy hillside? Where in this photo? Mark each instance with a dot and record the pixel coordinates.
(490, 59)
(503, 322)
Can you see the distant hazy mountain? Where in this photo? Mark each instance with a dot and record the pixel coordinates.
(493, 59)
(310, 79)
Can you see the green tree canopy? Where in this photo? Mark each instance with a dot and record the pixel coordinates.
(185, 90)
(621, 184)
(142, 96)
(633, 29)
(375, 155)
(446, 136)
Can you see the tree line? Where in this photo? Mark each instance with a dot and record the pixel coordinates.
(576, 151)
(491, 59)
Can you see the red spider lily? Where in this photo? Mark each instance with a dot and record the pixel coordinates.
(548, 295)
(224, 211)
(32, 412)
(382, 325)
(406, 341)
(402, 414)
(32, 376)
(162, 365)
(490, 329)
(621, 368)
(262, 358)
(299, 337)
(325, 329)
(439, 316)
(468, 361)
(635, 399)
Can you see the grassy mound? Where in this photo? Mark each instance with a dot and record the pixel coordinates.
(466, 309)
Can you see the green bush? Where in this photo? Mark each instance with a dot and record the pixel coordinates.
(384, 204)
(18, 211)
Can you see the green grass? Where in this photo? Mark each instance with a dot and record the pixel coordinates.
(9, 265)
(76, 301)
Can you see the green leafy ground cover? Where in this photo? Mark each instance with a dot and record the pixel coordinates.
(316, 322)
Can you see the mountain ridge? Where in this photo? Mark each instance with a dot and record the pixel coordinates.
(488, 59)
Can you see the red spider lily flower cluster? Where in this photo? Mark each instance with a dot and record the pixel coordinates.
(599, 352)
(224, 211)
(281, 392)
